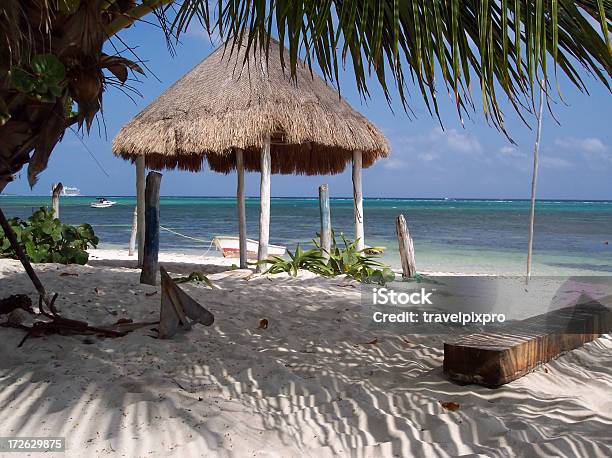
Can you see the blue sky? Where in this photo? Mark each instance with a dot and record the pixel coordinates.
(472, 161)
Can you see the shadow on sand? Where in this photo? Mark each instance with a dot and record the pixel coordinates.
(309, 382)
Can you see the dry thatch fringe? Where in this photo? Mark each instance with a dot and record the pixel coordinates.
(221, 105)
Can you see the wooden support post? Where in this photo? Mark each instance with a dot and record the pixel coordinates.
(151, 238)
(264, 196)
(140, 206)
(358, 200)
(242, 235)
(406, 247)
(325, 220)
(56, 190)
(132, 245)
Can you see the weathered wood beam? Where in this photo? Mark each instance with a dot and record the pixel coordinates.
(242, 234)
(325, 220)
(132, 245)
(358, 200)
(151, 246)
(264, 215)
(495, 358)
(140, 206)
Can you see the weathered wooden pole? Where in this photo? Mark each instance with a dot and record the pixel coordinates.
(325, 220)
(56, 190)
(132, 245)
(151, 238)
(406, 247)
(264, 196)
(358, 200)
(140, 206)
(242, 235)
(534, 180)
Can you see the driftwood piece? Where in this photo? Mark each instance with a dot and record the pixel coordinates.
(56, 190)
(178, 310)
(406, 247)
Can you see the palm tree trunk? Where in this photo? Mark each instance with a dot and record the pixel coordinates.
(534, 179)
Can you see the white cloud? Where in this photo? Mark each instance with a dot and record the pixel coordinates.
(550, 162)
(435, 148)
(510, 152)
(582, 145)
(427, 157)
(595, 152)
(455, 141)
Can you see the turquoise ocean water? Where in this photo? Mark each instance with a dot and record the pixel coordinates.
(450, 235)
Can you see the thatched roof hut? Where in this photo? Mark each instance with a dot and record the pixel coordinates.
(222, 105)
(245, 112)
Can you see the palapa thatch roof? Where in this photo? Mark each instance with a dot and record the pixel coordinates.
(222, 104)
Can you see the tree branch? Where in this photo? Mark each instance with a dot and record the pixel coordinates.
(127, 19)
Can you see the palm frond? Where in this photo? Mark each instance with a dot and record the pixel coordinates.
(504, 44)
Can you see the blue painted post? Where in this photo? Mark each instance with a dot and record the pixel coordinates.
(151, 241)
(325, 220)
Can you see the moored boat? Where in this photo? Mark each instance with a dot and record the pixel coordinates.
(229, 246)
(102, 202)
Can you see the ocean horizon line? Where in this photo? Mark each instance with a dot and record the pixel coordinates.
(314, 198)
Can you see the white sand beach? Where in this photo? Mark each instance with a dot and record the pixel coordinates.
(311, 384)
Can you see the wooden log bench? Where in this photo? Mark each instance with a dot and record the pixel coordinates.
(495, 358)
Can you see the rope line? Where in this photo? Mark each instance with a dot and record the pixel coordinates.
(189, 237)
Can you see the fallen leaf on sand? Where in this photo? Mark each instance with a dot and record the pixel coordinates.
(371, 342)
(68, 274)
(99, 292)
(452, 406)
(263, 324)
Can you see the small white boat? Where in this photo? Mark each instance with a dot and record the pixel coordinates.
(230, 247)
(102, 202)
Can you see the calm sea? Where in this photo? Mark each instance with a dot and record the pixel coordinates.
(449, 235)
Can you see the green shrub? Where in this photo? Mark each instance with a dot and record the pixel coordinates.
(357, 264)
(310, 260)
(46, 239)
(343, 260)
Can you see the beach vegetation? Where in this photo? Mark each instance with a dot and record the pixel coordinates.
(198, 277)
(344, 258)
(46, 239)
(311, 260)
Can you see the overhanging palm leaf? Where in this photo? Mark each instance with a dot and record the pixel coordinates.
(505, 43)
